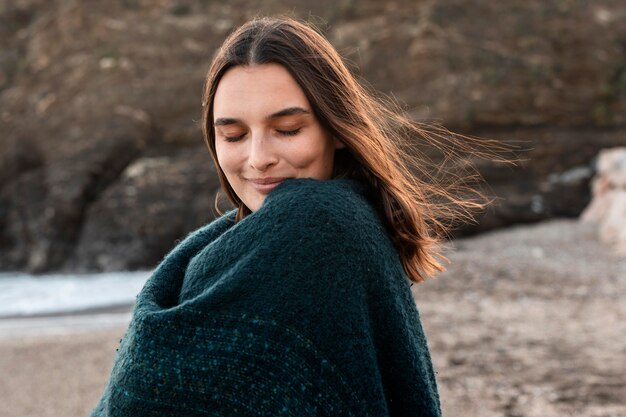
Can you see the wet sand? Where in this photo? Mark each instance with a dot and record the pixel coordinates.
(526, 322)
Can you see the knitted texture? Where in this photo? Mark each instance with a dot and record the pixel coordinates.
(300, 309)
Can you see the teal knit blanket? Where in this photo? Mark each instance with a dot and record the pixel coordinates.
(300, 309)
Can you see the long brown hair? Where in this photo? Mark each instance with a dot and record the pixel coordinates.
(420, 198)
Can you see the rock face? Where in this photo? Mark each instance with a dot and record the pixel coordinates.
(608, 206)
(102, 164)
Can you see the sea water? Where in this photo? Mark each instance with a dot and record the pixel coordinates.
(63, 304)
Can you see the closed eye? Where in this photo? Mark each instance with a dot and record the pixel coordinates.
(289, 132)
(233, 138)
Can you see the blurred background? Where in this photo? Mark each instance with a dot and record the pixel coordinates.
(103, 165)
(103, 169)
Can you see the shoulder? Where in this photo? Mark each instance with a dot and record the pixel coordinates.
(340, 207)
(344, 201)
(336, 220)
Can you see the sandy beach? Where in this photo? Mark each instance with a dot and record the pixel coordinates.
(61, 373)
(530, 322)
(527, 322)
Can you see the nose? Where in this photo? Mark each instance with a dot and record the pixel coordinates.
(261, 154)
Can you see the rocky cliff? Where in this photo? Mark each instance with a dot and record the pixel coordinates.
(102, 164)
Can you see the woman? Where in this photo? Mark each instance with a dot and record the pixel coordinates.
(296, 303)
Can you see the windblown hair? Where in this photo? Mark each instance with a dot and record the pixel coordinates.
(419, 198)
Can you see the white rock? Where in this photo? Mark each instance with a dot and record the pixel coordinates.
(608, 203)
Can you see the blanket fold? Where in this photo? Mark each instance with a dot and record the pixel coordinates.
(300, 309)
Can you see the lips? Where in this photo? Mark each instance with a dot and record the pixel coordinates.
(265, 181)
(265, 185)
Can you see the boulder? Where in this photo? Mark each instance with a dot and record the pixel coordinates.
(608, 206)
(551, 180)
(44, 207)
(154, 203)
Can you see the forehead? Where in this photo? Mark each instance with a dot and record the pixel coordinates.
(257, 91)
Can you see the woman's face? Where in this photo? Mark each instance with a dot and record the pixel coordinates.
(266, 132)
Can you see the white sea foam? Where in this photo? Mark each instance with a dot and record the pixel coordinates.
(23, 295)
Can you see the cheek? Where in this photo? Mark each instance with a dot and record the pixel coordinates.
(225, 158)
(303, 157)
(317, 151)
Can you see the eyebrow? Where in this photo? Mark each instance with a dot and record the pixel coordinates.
(289, 111)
